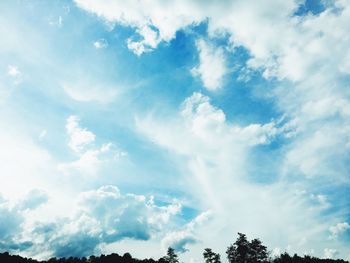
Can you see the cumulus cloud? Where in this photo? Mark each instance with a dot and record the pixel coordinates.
(78, 237)
(180, 239)
(148, 43)
(154, 21)
(79, 137)
(212, 66)
(283, 46)
(90, 158)
(88, 162)
(125, 216)
(13, 216)
(101, 216)
(205, 130)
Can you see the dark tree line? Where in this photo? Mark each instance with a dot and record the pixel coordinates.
(241, 251)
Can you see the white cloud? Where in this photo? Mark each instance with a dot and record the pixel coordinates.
(91, 161)
(136, 216)
(80, 141)
(330, 253)
(180, 239)
(319, 150)
(281, 45)
(79, 137)
(212, 66)
(148, 43)
(249, 22)
(97, 218)
(15, 74)
(338, 229)
(205, 130)
(90, 158)
(155, 21)
(293, 49)
(215, 156)
(87, 164)
(13, 71)
(13, 216)
(101, 43)
(102, 216)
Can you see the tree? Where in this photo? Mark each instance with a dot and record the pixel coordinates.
(171, 256)
(257, 251)
(127, 258)
(238, 252)
(92, 259)
(210, 256)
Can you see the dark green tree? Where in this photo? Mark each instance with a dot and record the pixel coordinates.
(238, 252)
(257, 252)
(210, 256)
(171, 256)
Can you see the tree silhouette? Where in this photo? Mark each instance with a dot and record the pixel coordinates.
(210, 256)
(257, 251)
(238, 252)
(127, 258)
(171, 256)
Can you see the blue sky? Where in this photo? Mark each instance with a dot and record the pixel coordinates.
(134, 126)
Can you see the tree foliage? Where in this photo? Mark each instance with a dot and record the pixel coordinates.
(210, 256)
(243, 251)
(257, 251)
(171, 256)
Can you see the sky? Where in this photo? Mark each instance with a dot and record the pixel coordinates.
(132, 126)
